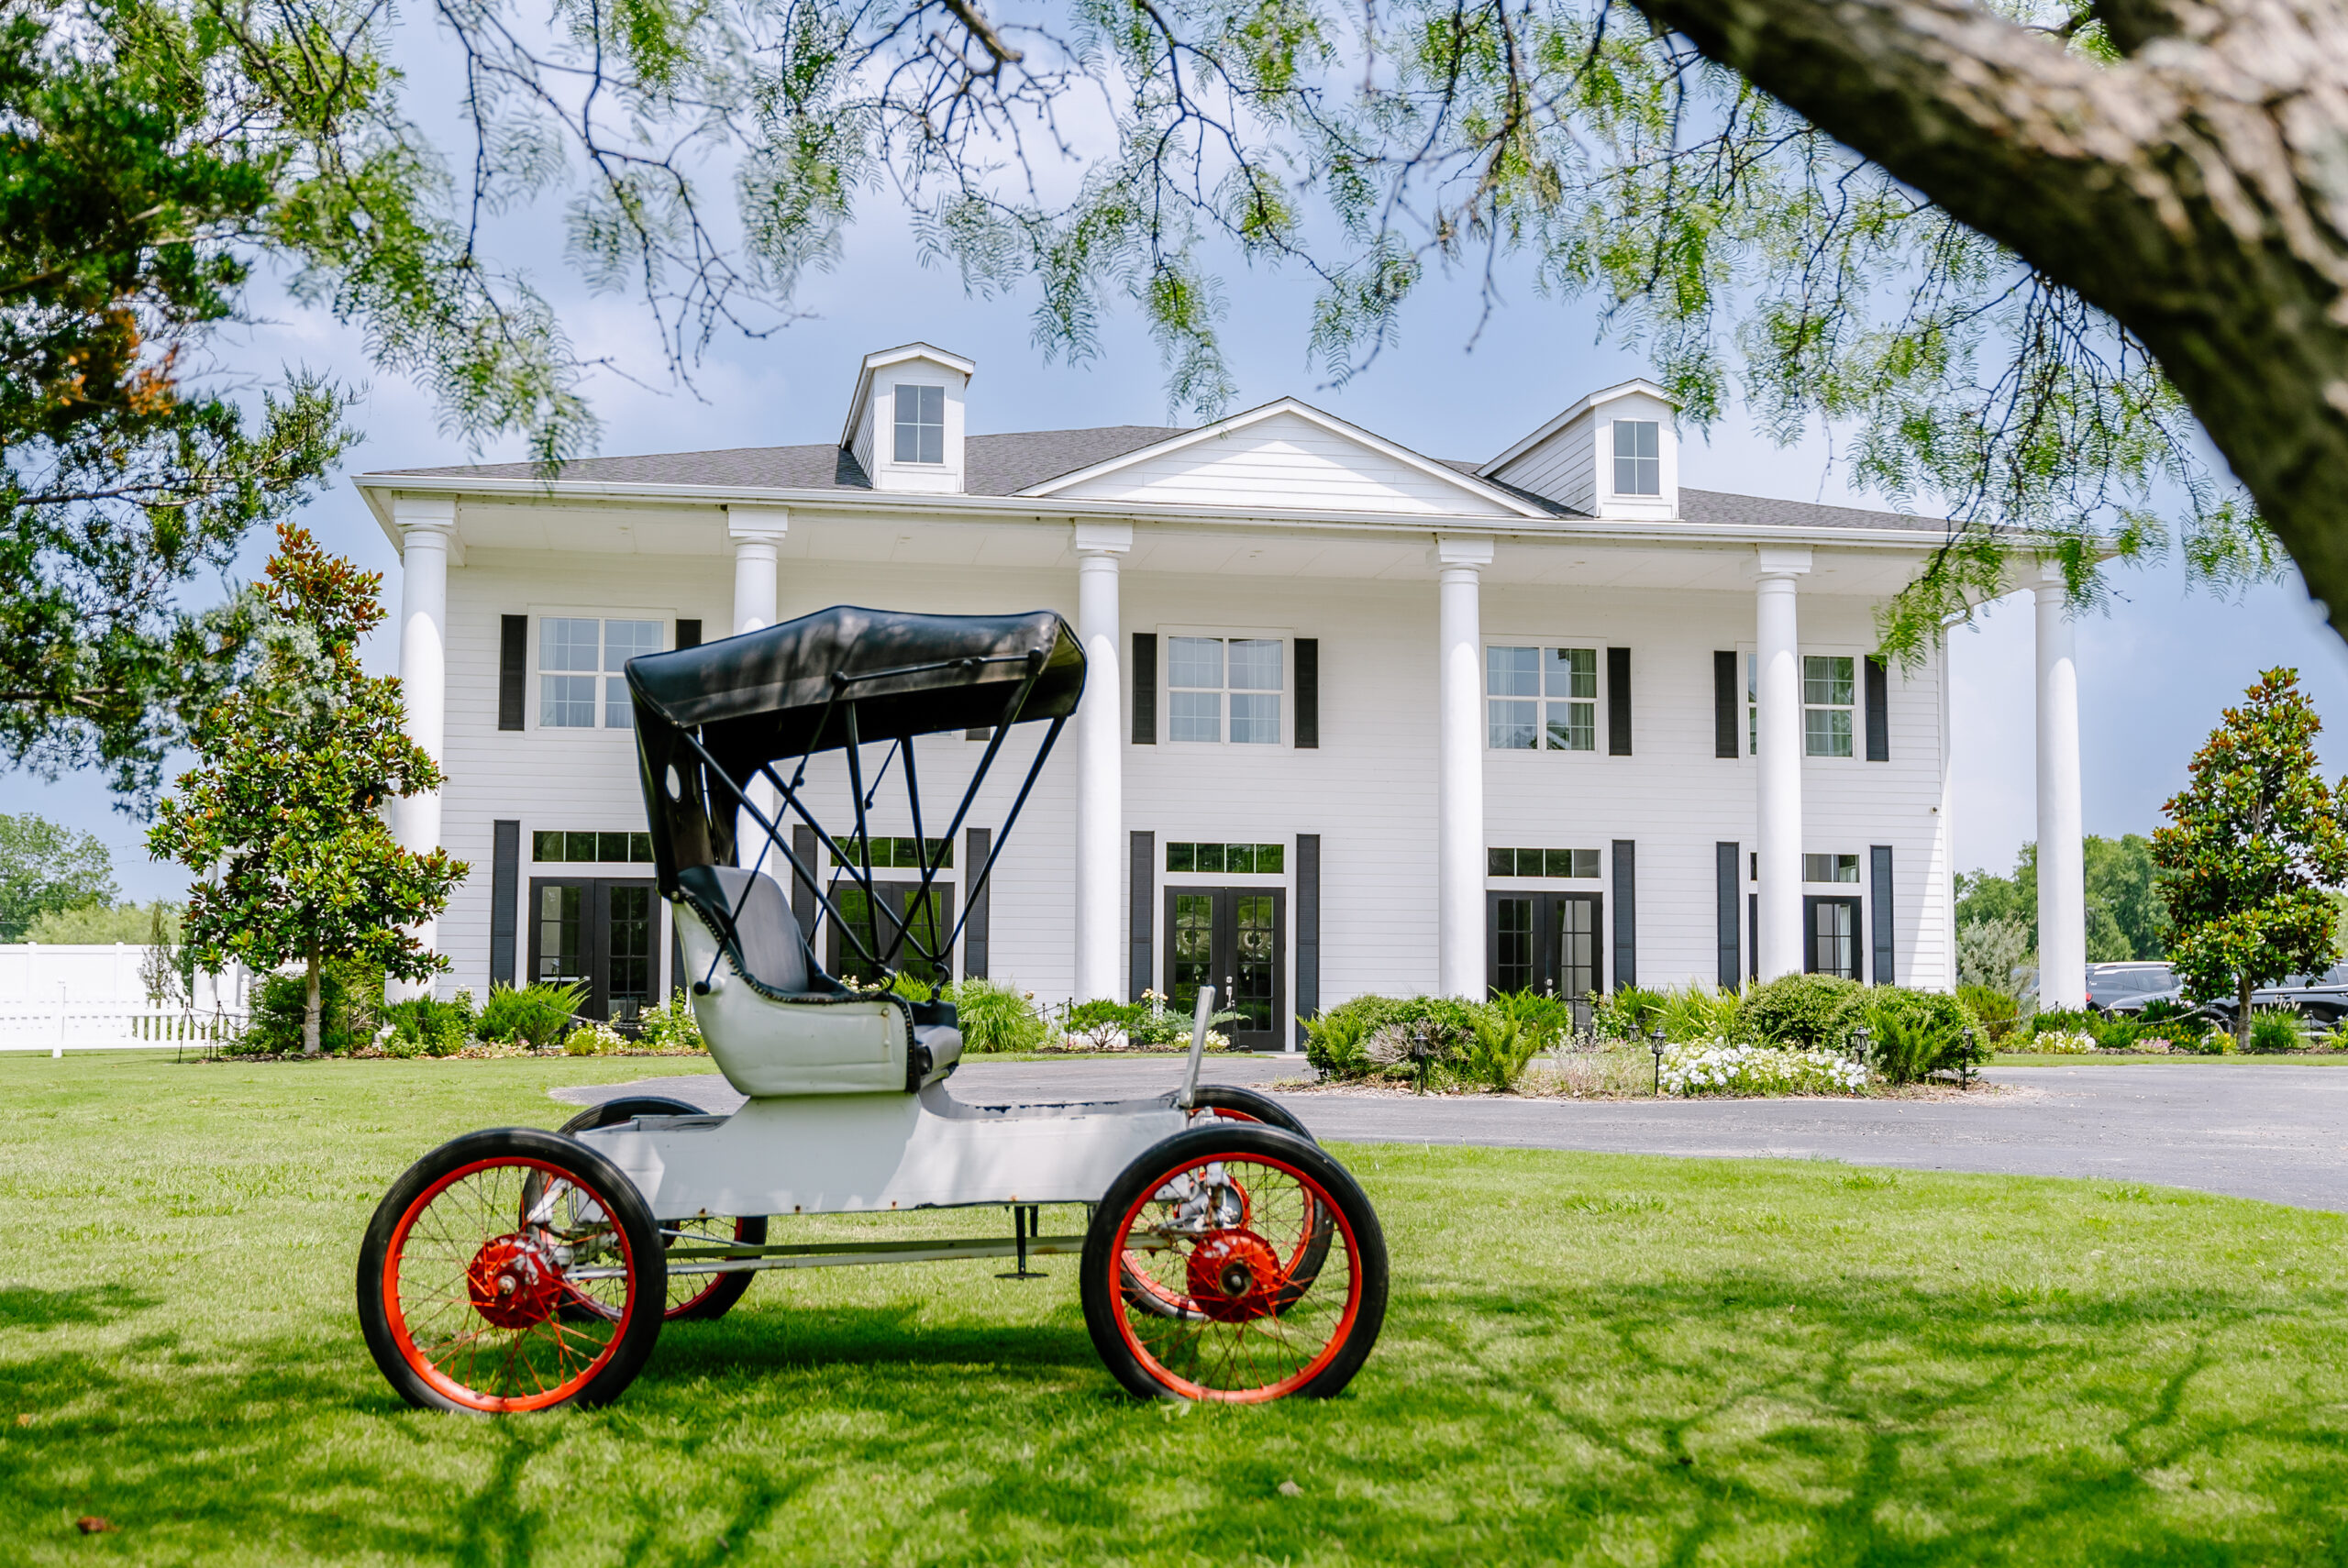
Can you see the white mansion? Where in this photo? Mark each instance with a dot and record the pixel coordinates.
(1356, 719)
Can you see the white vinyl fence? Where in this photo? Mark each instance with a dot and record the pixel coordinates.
(93, 997)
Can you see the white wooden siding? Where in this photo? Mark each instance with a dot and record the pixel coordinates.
(1286, 460)
(1563, 469)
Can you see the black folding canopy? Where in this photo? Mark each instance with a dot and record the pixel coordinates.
(711, 719)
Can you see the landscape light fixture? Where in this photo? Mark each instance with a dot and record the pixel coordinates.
(1655, 1044)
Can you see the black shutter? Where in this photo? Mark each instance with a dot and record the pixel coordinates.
(1752, 936)
(976, 845)
(1879, 712)
(504, 886)
(1879, 902)
(1626, 911)
(1618, 702)
(1308, 692)
(1725, 859)
(1145, 688)
(513, 680)
(1307, 930)
(1724, 705)
(688, 634)
(1139, 976)
(803, 897)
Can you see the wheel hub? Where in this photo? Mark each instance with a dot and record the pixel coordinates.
(512, 1284)
(1233, 1276)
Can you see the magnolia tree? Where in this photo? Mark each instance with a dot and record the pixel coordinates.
(284, 822)
(2253, 840)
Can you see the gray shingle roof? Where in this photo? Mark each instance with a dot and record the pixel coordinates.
(1718, 508)
(993, 465)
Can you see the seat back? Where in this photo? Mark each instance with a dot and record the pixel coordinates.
(767, 938)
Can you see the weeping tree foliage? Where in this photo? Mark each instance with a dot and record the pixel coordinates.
(1855, 232)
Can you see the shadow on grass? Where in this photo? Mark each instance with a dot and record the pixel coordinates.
(1722, 1415)
(21, 1307)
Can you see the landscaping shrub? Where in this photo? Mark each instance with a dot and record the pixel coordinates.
(2184, 1027)
(1914, 1033)
(1998, 1013)
(671, 1028)
(1718, 1068)
(994, 1017)
(347, 1010)
(533, 1015)
(1627, 1013)
(2274, 1029)
(594, 1038)
(1694, 1013)
(1803, 1012)
(1100, 1024)
(424, 1026)
(1339, 1042)
(1548, 1017)
(1496, 1056)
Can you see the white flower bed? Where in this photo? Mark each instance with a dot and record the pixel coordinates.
(1718, 1068)
(2062, 1042)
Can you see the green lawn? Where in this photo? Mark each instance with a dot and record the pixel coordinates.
(1590, 1359)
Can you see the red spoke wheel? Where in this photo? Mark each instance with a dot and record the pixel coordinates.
(1230, 1103)
(699, 1297)
(479, 1254)
(1250, 1326)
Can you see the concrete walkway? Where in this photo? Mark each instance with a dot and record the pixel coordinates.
(2271, 1130)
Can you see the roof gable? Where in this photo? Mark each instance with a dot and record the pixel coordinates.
(1287, 455)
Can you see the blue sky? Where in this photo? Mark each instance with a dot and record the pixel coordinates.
(2155, 671)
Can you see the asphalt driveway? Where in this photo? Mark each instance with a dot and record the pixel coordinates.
(2266, 1130)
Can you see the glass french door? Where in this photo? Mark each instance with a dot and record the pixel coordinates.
(1831, 937)
(600, 930)
(1235, 939)
(930, 924)
(1545, 942)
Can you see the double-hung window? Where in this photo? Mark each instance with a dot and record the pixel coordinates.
(1541, 698)
(1830, 868)
(921, 425)
(1828, 694)
(1208, 676)
(581, 666)
(1638, 458)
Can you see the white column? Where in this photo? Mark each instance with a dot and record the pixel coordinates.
(1100, 762)
(1776, 936)
(2061, 871)
(1459, 764)
(758, 534)
(427, 526)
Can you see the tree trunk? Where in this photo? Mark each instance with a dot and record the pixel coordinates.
(2242, 1018)
(310, 1010)
(2193, 191)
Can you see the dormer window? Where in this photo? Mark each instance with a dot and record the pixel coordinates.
(921, 425)
(1638, 457)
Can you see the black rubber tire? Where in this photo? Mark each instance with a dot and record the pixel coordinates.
(1104, 1278)
(750, 1230)
(1251, 1105)
(604, 1181)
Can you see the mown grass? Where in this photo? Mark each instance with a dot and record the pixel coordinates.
(1590, 1359)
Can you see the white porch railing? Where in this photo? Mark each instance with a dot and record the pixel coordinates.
(59, 1027)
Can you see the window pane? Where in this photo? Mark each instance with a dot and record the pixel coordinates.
(1500, 863)
(619, 711)
(1512, 725)
(1512, 945)
(1826, 732)
(1826, 680)
(611, 847)
(1256, 664)
(1573, 727)
(1586, 863)
(568, 643)
(921, 425)
(1513, 672)
(567, 701)
(1255, 719)
(1271, 859)
(639, 848)
(1194, 715)
(1210, 857)
(1194, 661)
(1239, 858)
(1846, 869)
(1637, 438)
(623, 640)
(579, 846)
(1572, 672)
(1179, 857)
(933, 442)
(546, 846)
(1557, 861)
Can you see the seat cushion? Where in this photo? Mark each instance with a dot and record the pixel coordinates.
(944, 1042)
(774, 953)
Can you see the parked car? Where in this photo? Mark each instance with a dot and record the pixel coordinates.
(2126, 988)
(2322, 999)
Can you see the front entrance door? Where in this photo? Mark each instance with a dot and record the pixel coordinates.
(877, 931)
(1235, 939)
(1545, 942)
(1829, 939)
(599, 929)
